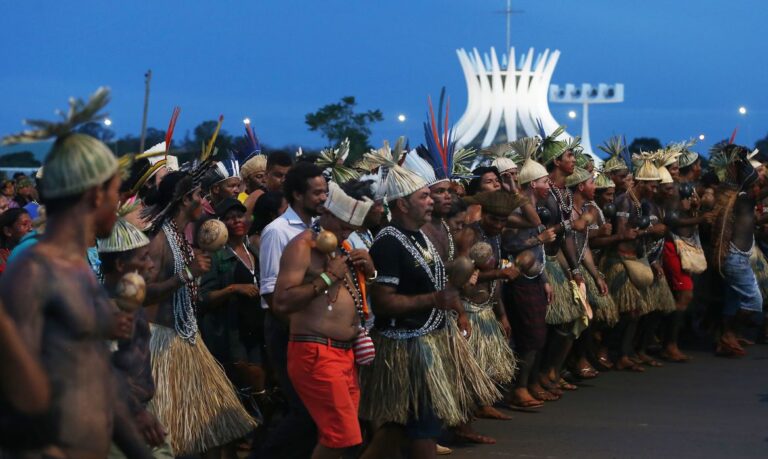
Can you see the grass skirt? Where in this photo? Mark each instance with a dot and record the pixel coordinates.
(490, 346)
(760, 267)
(437, 368)
(603, 307)
(659, 297)
(564, 308)
(194, 400)
(625, 295)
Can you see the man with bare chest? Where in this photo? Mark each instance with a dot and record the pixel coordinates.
(319, 289)
(63, 314)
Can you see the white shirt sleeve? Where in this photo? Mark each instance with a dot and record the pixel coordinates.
(271, 248)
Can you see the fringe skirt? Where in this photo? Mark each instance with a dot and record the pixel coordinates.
(194, 400)
(603, 307)
(659, 297)
(564, 308)
(437, 368)
(490, 345)
(760, 267)
(625, 295)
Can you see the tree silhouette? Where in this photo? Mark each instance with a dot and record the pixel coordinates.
(339, 121)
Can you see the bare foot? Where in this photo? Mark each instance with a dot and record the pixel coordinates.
(489, 412)
(465, 433)
(625, 363)
(521, 398)
(542, 394)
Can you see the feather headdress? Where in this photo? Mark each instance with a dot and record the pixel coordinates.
(332, 161)
(440, 144)
(397, 181)
(618, 160)
(149, 168)
(76, 162)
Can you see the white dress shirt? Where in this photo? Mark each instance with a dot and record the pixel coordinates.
(274, 238)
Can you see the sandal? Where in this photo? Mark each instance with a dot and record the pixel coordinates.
(605, 362)
(565, 385)
(587, 373)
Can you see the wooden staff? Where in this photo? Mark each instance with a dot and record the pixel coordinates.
(147, 78)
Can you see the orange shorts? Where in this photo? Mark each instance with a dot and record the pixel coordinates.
(326, 380)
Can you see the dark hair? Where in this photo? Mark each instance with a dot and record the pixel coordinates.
(9, 218)
(687, 169)
(474, 184)
(296, 179)
(279, 158)
(138, 169)
(265, 210)
(19, 175)
(709, 179)
(173, 185)
(457, 206)
(109, 260)
(358, 189)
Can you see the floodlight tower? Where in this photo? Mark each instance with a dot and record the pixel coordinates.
(587, 95)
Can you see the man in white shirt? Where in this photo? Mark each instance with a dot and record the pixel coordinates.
(306, 190)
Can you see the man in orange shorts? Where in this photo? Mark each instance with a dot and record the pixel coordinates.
(320, 291)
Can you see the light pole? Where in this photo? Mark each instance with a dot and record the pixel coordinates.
(108, 124)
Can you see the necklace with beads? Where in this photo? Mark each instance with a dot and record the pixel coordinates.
(451, 246)
(184, 299)
(564, 203)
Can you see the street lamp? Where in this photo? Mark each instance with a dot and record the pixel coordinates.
(572, 114)
(743, 110)
(701, 136)
(401, 118)
(108, 124)
(246, 120)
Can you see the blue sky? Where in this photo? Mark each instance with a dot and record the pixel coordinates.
(687, 65)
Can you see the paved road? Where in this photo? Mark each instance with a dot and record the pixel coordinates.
(710, 407)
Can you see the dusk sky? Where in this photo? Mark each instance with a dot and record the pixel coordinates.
(687, 65)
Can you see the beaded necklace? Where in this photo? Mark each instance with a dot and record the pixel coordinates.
(451, 246)
(436, 276)
(184, 298)
(564, 203)
(352, 287)
(366, 237)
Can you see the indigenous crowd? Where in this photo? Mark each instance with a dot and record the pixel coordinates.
(312, 307)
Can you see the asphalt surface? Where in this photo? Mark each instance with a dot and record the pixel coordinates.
(710, 407)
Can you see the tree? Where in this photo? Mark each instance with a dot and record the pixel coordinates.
(19, 159)
(202, 135)
(339, 121)
(762, 145)
(647, 144)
